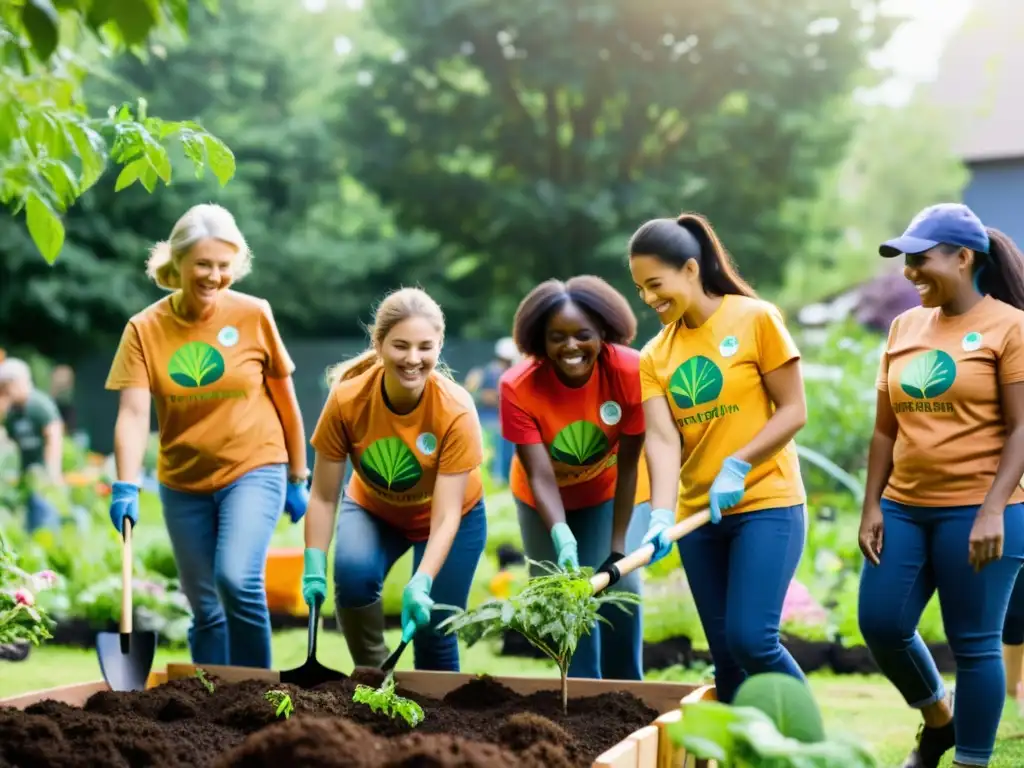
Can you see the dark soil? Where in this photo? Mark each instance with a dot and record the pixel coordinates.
(483, 724)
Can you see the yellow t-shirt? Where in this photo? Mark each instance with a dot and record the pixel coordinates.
(943, 376)
(711, 377)
(208, 381)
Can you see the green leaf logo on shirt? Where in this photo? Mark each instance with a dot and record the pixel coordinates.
(695, 382)
(928, 375)
(579, 444)
(389, 464)
(195, 364)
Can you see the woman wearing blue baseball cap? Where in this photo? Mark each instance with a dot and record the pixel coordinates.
(943, 509)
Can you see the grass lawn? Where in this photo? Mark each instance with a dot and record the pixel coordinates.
(866, 707)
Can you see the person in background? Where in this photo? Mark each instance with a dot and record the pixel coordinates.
(482, 383)
(33, 423)
(62, 390)
(943, 510)
(572, 409)
(723, 400)
(416, 446)
(232, 445)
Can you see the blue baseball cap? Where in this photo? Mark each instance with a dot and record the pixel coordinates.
(950, 223)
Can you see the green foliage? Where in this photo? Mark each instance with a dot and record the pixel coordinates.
(745, 737)
(282, 703)
(21, 619)
(207, 683)
(787, 701)
(51, 150)
(385, 700)
(553, 611)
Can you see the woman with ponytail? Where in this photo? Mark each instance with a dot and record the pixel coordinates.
(723, 398)
(232, 445)
(943, 509)
(415, 443)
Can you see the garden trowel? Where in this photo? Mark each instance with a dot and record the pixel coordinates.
(126, 657)
(312, 673)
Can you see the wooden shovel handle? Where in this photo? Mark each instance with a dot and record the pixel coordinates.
(126, 578)
(640, 557)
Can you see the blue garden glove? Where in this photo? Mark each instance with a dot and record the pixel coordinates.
(296, 499)
(416, 605)
(661, 521)
(314, 575)
(727, 490)
(124, 502)
(566, 553)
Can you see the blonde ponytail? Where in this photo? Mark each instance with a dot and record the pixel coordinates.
(348, 369)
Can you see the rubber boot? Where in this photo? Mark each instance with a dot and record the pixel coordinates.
(364, 633)
(1013, 660)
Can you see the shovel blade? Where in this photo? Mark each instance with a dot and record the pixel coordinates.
(311, 674)
(126, 659)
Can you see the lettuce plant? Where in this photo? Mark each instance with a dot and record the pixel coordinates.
(385, 700)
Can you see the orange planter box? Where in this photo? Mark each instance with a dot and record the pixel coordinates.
(283, 578)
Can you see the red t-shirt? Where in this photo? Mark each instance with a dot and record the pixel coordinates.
(579, 426)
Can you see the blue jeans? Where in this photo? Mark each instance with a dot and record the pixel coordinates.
(610, 651)
(739, 572)
(220, 542)
(365, 550)
(925, 549)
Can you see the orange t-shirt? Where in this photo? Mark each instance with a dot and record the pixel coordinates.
(580, 426)
(397, 457)
(943, 376)
(207, 378)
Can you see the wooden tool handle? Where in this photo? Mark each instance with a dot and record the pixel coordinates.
(126, 578)
(640, 557)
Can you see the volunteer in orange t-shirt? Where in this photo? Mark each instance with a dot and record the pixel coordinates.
(942, 507)
(723, 399)
(572, 409)
(415, 443)
(232, 445)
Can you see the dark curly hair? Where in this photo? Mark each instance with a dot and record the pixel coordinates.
(604, 305)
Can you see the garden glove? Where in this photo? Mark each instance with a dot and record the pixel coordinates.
(566, 554)
(661, 521)
(416, 605)
(296, 499)
(124, 502)
(727, 490)
(314, 575)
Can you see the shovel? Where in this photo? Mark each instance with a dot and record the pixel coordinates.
(126, 658)
(312, 673)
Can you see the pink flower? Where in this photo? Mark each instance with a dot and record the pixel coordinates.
(23, 597)
(44, 579)
(801, 606)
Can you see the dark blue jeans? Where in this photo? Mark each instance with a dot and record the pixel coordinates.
(925, 549)
(612, 651)
(220, 542)
(739, 572)
(365, 550)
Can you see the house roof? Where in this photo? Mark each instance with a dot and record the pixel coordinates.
(980, 80)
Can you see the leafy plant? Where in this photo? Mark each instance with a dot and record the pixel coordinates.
(200, 675)
(21, 620)
(697, 380)
(282, 702)
(579, 443)
(390, 464)
(745, 737)
(553, 611)
(385, 700)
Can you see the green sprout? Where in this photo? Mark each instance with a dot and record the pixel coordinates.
(202, 678)
(282, 701)
(384, 699)
(553, 611)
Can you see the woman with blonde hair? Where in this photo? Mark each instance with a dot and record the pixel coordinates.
(232, 444)
(415, 443)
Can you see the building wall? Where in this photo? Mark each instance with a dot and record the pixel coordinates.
(995, 192)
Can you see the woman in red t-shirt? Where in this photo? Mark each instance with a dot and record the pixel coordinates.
(573, 411)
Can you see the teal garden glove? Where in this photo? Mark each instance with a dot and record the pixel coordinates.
(727, 490)
(566, 553)
(416, 605)
(314, 575)
(661, 521)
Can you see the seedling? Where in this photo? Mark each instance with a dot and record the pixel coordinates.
(384, 699)
(202, 678)
(282, 701)
(553, 611)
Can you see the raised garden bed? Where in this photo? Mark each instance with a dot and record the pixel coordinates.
(469, 721)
